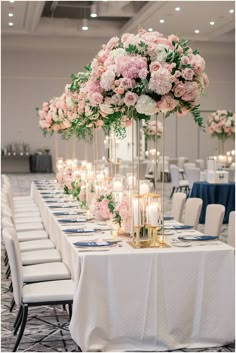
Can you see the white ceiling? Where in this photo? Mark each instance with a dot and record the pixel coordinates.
(117, 17)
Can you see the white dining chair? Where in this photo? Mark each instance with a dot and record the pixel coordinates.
(33, 294)
(188, 165)
(193, 208)
(177, 184)
(200, 164)
(214, 219)
(193, 175)
(177, 206)
(231, 229)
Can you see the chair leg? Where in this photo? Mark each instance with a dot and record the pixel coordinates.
(12, 305)
(23, 323)
(8, 272)
(11, 287)
(17, 320)
(172, 192)
(70, 310)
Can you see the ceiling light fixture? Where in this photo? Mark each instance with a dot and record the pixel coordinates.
(196, 31)
(11, 0)
(10, 24)
(93, 11)
(212, 23)
(150, 29)
(231, 11)
(162, 21)
(177, 9)
(84, 24)
(10, 14)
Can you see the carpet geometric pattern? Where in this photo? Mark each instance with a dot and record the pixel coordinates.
(47, 327)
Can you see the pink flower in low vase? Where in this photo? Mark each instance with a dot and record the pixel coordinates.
(105, 206)
(122, 214)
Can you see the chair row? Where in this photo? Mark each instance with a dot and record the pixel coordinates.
(188, 212)
(38, 275)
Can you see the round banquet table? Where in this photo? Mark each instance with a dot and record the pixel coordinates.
(223, 194)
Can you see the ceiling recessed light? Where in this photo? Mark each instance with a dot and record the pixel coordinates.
(11, 0)
(162, 21)
(84, 24)
(177, 9)
(196, 31)
(150, 29)
(231, 11)
(212, 23)
(10, 14)
(10, 24)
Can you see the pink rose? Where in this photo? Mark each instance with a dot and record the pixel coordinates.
(187, 74)
(155, 66)
(130, 98)
(96, 99)
(185, 60)
(179, 90)
(173, 38)
(191, 91)
(167, 103)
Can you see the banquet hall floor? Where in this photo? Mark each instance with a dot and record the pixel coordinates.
(47, 328)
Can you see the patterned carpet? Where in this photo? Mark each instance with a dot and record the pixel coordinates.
(47, 327)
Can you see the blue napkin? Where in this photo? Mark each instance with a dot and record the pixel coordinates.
(178, 227)
(198, 237)
(168, 218)
(66, 213)
(66, 220)
(49, 193)
(79, 230)
(94, 243)
(67, 206)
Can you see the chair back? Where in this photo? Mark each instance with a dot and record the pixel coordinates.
(231, 174)
(177, 207)
(193, 174)
(214, 219)
(174, 173)
(200, 163)
(13, 252)
(231, 229)
(193, 208)
(189, 165)
(181, 161)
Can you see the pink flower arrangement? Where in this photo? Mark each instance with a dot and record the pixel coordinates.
(221, 124)
(152, 129)
(123, 213)
(105, 206)
(139, 75)
(59, 113)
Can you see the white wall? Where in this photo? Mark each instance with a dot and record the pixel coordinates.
(36, 70)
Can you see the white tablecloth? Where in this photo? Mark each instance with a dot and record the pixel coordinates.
(152, 299)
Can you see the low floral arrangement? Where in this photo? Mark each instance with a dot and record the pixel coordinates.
(122, 213)
(153, 129)
(221, 124)
(105, 205)
(136, 76)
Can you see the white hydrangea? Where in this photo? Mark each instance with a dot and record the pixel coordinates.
(161, 52)
(146, 105)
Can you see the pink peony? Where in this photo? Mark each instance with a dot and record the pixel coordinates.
(160, 81)
(187, 74)
(191, 91)
(179, 89)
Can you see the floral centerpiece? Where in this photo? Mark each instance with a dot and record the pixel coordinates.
(136, 76)
(221, 124)
(153, 129)
(122, 213)
(105, 206)
(59, 114)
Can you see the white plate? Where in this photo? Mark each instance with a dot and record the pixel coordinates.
(167, 232)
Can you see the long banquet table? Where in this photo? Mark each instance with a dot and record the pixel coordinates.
(145, 299)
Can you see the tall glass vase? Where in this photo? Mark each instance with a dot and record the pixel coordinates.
(221, 147)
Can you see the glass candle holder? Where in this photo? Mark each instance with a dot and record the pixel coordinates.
(131, 181)
(144, 187)
(117, 184)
